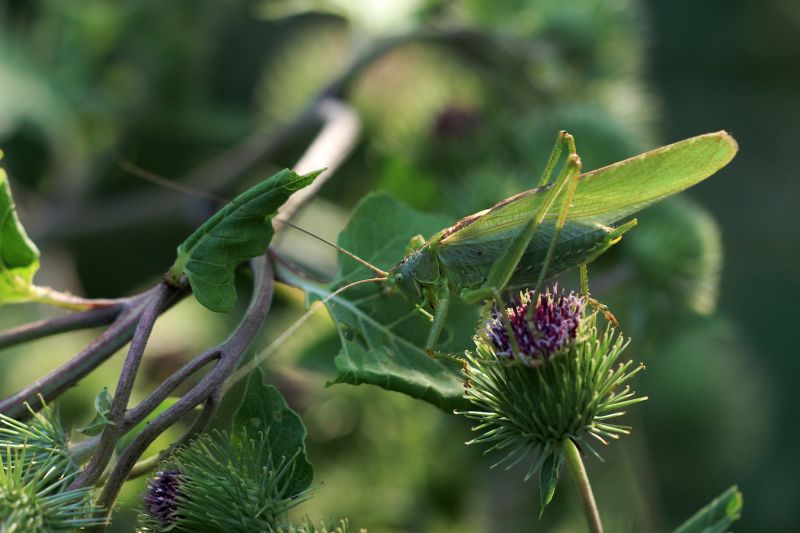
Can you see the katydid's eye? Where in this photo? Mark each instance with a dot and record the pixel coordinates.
(398, 278)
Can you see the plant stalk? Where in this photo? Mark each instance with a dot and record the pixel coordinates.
(581, 480)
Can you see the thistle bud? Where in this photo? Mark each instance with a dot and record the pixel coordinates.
(34, 494)
(161, 498)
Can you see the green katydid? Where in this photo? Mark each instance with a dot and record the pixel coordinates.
(562, 223)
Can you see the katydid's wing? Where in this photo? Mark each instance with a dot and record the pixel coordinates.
(610, 193)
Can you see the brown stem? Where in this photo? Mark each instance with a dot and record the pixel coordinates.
(230, 353)
(113, 431)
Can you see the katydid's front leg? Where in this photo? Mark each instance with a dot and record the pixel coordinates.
(503, 268)
(441, 306)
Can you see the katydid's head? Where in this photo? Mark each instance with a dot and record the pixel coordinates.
(401, 277)
(417, 269)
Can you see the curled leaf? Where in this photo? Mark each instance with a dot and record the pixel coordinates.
(240, 230)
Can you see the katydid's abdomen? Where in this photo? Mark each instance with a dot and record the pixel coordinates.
(467, 264)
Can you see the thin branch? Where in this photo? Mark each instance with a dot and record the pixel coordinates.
(230, 353)
(101, 348)
(145, 466)
(62, 324)
(134, 416)
(113, 431)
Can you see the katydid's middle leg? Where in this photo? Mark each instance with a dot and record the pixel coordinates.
(591, 301)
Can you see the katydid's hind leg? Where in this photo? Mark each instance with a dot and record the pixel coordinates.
(503, 268)
(452, 358)
(573, 169)
(603, 308)
(562, 139)
(609, 316)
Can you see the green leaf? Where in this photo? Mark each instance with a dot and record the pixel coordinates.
(240, 230)
(383, 335)
(19, 257)
(717, 516)
(264, 409)
(102, 404)
(548, 477)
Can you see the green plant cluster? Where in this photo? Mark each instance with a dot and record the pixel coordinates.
(457, 104)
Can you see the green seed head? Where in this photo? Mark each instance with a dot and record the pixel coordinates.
(226, 481)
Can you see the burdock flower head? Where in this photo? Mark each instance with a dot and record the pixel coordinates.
(541, 326)
(556, 379)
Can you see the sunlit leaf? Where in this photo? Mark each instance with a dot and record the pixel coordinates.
(19, 257)
(240, 230)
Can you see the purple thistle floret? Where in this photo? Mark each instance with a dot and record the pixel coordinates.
(554, 324)
(161, 498)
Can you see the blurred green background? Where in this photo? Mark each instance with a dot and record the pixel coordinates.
(458, 110)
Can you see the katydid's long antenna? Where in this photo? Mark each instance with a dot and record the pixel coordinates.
(245, 369)
(142, 173)
(375, 269)
(161, 181)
